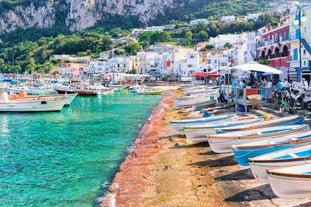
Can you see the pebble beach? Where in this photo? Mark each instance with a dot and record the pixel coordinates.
(163, 169)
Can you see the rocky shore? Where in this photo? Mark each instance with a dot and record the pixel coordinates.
(163, 169)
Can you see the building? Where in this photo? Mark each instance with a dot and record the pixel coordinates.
(273, 44)
(197, 21)
(300, 50)
(230, 18)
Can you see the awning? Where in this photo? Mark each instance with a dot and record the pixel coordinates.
(254, 66)
(205, 75)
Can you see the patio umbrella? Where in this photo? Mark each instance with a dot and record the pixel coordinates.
(254, 66)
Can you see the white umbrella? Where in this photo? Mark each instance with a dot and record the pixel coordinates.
(254, 66)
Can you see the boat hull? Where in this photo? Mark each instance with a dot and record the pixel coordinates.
(177, 126)
(291, 182)
(295, 155)
(222, 143)
(33, 106)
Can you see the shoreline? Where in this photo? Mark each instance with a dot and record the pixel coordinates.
(140, 156)
(163, 169)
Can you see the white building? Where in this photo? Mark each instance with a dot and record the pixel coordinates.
(251, 17)
(154, 28)
(230, 18)
(197, 21)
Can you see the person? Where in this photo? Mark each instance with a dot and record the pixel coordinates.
(304, 83)
(269, 84)
(239, 83)
(286, 83)
(280, 85)
(264, 82)
(234, 83)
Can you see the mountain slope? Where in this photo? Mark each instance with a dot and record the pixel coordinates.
(81, 14)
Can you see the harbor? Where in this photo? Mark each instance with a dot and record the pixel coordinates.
(68, 157)
(168, 170)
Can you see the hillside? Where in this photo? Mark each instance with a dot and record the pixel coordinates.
(76, 15)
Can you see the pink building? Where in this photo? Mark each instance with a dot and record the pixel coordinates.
(274, 45)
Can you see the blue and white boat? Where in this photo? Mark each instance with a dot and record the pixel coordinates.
(243, 152)
(177, 126)
(222, 143)
(296, 155)
(198, 133)
(291, 182)
(296, 119)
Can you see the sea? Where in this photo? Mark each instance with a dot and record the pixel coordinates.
(69, 158)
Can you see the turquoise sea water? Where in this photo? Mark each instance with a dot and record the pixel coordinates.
(68, 158)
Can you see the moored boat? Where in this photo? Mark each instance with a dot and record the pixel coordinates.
(291, 182)
(80, 92)
(177, 126)
(296, 119)
(198, 133)
(42, 104)
(222, 143)
(243, 152)
(295, 155)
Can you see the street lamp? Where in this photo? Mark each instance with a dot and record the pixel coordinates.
(298, 20)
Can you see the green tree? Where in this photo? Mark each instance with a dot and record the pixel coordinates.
(133, 48)
(188, 36)
(202, 35)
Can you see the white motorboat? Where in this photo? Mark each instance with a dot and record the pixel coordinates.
(26, 104)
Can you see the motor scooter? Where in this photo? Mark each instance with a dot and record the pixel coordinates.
(307, 101)
(297, 96)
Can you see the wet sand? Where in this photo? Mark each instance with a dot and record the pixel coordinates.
(163, 169)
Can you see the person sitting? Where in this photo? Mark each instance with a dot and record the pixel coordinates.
(280, 85)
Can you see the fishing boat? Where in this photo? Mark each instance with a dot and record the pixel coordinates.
(198, 133)
(221, 143)
(243, 152)
(24, 96)
(296, 119)
(177, 126)
(197, 101)
(291, 182)
(42, 104)
(80, 92)
(149, 91)
(295, 155)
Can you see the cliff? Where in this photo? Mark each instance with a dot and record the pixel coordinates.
(78, 14)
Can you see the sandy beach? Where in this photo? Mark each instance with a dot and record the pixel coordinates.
(163, 169)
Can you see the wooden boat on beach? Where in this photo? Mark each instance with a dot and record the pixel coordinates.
(221, 143)
(296, 119)
(244, 152)
(198, 133)
(291, 182)
(295, 155)
(202, 101)
(177, 126)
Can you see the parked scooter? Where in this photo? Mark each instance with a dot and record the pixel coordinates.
(297, 96)
(307, 101)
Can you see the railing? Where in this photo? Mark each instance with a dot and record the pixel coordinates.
(239, 95)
